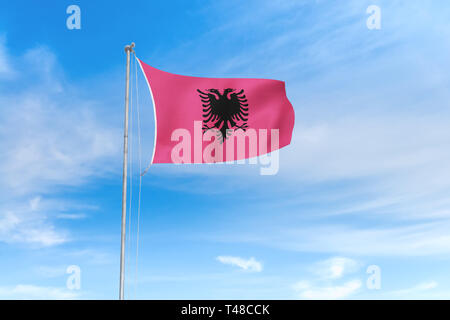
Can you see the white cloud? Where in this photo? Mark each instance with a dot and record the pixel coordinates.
(27, 228)
(391, 151)
(34, 203)
(305, 290)
(426, 285)
(246, 264)
(8, 221)
(53, 145)
(424, 239)
(92, 256)
(326, 273)
(29, 224)
(410, 293)
(335, 268)
(52, 138)
(23, 291)
(410, 240)
(51, 271)
(6, 70)
(71, 216)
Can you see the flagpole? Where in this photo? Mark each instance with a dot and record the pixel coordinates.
(128, 50)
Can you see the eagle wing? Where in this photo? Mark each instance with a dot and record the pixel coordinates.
(238, 107)
(210, 106)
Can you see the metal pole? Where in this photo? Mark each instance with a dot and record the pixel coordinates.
(128, 50)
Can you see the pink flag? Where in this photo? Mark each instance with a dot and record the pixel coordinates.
(204, 120)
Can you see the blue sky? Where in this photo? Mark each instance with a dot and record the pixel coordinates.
(364, 182)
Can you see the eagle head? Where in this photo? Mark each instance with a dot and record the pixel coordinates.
(227, 91)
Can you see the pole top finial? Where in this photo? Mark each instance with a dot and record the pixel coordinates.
(129, 47)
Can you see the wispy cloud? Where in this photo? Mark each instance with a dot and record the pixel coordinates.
(367, 172)
(71, 216)
(335, 268)
(27, 225)
(52, 136)
(424, 290)
(92, 256)
(424, 239)
(251, 265)
(305, 290)
(6, 69)
(325, 274)
(418, 289)
(51, 271)
(22, 291)
(53, 139)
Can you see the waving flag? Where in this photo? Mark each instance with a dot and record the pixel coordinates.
(204, 120)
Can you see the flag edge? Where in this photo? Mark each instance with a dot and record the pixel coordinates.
(154, 109)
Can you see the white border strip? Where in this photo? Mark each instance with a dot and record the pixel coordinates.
(154, 113)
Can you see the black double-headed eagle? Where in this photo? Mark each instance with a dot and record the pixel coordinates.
(224, 112)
